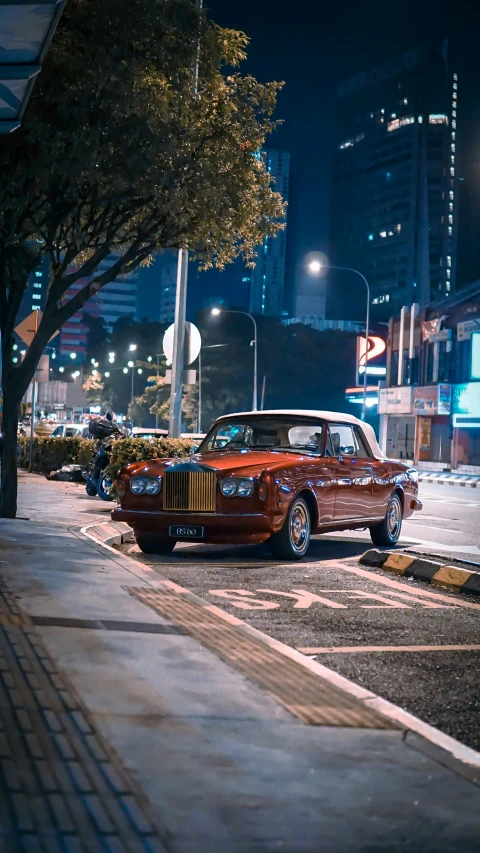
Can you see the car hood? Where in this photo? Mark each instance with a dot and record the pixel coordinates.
(244, 463)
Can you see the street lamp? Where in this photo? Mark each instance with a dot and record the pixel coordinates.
(315, 267)
(131, 364)
(215, 313)
(132, 348)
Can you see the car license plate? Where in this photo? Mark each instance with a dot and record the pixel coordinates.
(185, 531)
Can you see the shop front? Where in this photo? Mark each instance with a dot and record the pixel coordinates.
(432, 406)
(397, 422)
(466, 427)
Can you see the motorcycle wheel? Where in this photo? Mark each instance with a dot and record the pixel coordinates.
(104, 489)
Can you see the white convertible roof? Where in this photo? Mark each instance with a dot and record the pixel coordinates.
(335, 417)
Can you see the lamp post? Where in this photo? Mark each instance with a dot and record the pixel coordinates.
(316, 267)
(209, 346)
(216, 312)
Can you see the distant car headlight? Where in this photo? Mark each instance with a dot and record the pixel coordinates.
(137, 485)
(153, 486)
(228, 487)
(245, 488)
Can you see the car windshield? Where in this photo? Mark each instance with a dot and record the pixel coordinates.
(257, 432)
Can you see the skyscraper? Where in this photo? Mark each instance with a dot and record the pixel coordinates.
(116, 299)
(394, 193)
(267, 280)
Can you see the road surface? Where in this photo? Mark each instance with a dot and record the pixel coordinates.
(408, 642)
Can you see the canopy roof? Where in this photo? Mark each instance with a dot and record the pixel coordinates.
(26, 29)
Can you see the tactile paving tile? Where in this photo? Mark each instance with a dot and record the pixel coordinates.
(62, 788)
(306, 695)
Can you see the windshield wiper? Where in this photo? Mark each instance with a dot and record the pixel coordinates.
(296, 450)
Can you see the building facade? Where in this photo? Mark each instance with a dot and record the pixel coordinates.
(430, 406)
(267, 280)
(116, 299)
(394, 193)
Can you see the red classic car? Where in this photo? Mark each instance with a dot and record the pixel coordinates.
(276, 475)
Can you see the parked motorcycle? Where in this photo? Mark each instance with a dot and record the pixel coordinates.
(106, 432)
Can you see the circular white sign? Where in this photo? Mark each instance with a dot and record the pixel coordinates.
(191, 349)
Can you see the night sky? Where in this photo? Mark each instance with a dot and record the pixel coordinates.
(312, 46)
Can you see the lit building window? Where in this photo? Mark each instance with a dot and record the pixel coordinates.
(349, 142)
(38, 274)
(450, 219)
(394, 115)
(398, 228)
(36, 296)
(454, 123)
(383, 233)
(450, 230)
(449, 260)
(451, 194)
(455, 86)
(405, 100)
(452, 171)
(454, 96)
(37, 283)
(438, 118)
(382, 111)
(420, 119)
(452, 158)
(447, 286)
(448, 273)
(370, 237)
(400, 122)
(450, 206)
(455, 76)
(452, 147)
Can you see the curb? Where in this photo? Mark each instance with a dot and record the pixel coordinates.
(438, 574)
(111, 533)
(449, 481)
(445, 749)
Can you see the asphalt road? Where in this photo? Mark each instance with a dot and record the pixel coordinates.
(372, 627)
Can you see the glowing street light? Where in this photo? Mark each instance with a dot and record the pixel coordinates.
(132, 348)
(139, 370)
(107, 374)
(73, 355)
(61, 369)
(130, 363)
(315, 267)
(94, 372)
(215, 312)
(125, 369)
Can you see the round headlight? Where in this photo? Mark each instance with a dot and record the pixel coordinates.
(245, 488)
(228, 487)
(137, 485)
(153, 486)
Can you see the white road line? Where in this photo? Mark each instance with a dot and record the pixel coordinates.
(324, 650)
(402, 587)
(440, 546)
(431, 527)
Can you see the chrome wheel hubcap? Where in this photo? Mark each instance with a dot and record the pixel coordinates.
(299, 527)
(394, 518)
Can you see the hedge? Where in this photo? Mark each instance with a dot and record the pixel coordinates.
(49, 454)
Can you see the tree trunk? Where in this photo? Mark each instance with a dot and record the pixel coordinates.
(8, 487)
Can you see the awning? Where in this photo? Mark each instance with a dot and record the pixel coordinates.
(26, 29)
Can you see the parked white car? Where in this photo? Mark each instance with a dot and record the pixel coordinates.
(68, 430)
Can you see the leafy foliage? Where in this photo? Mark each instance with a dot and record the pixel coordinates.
(127, 450)
(49, 454)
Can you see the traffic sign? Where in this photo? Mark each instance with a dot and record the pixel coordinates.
(28, 328)
(191, 349)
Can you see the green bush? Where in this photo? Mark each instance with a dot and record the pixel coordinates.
(131, 449)
(49, 454)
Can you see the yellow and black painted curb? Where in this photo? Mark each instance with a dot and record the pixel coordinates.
(438, 574)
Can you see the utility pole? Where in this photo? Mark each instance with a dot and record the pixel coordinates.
(175, 413)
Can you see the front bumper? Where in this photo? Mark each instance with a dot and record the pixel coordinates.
(416, 504)
(219, 528)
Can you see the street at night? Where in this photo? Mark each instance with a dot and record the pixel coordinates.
(239, 427)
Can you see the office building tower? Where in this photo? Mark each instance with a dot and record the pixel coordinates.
(35, 296)
(116, 299)
(267, 280)
(394, 194)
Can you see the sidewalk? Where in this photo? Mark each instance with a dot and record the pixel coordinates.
(451, 478)
(132, 719)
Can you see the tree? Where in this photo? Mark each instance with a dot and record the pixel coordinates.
(117, 156)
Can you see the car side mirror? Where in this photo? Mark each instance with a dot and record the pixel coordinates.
(195, 448)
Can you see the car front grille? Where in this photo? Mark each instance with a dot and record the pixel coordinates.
(190, 491)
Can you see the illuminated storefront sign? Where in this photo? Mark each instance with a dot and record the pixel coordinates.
(466, 399)
(432, 400)
(374, 359)
(467, 328)
(395, 401)
(475, 366)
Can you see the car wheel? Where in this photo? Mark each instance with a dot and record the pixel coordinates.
(388, 531)
(151, 544)
(292, 541)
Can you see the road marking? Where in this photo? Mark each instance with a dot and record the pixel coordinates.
(402, 587)
(324, 650)
(246, 599)
(440, 546)
(431, 527)
(305, 599)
